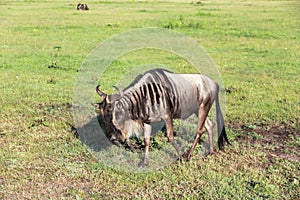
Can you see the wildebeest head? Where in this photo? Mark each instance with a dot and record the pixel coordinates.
(123, 121)
(105, 111)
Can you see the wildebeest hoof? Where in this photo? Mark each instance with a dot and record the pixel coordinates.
(142, 164)
(180, 159)
(186, 157)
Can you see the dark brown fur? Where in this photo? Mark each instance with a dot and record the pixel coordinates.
(82, 6)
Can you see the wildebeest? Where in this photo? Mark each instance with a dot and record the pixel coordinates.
(82, 6)
(160, 95)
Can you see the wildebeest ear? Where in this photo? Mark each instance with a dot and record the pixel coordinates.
(96, 105)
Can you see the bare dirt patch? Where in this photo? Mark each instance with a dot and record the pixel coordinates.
(277, 141)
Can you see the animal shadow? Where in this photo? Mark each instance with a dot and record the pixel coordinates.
(93, 135)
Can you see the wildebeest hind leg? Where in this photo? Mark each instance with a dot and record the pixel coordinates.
(202, 115)
(209, 127)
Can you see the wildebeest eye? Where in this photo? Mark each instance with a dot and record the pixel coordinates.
(97, 105)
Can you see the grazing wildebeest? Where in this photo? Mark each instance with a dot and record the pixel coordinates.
(82, 6)
(160, 95)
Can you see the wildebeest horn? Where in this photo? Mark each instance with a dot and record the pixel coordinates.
(102, 94)
(120, 91)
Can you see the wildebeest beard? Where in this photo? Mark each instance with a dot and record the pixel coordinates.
(109, 129)
(130, 128)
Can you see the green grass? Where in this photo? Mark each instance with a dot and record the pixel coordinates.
(255, 46)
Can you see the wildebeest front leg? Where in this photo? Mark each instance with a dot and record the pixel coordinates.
(170, 135)
(147, 134)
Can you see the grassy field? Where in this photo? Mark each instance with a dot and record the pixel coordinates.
(255, 45)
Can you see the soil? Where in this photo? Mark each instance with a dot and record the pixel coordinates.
(279, 141)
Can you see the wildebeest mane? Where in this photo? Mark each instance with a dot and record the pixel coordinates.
(147, 90)
(154, 72)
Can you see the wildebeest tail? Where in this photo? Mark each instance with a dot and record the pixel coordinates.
(221, 126)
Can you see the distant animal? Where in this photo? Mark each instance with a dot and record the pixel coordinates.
(82, 6)
(161, 95)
